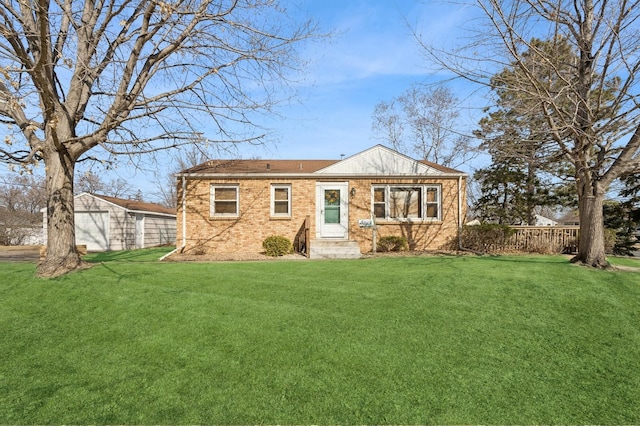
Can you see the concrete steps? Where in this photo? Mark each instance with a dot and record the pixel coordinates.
(334, 249)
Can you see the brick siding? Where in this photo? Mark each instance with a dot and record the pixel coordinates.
(245, 233)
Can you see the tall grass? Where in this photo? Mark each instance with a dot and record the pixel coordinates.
(416, 340)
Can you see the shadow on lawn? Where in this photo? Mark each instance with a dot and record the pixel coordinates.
(141, 255)
(532, 258)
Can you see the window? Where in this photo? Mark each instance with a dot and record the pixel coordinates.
(281, 200)
(224, 200)
(433, 203)
(406, 202)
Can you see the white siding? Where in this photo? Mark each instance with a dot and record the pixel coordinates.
(159, 230)
(120, 228)
(380, 161)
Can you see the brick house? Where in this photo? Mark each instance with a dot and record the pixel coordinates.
(328, 208)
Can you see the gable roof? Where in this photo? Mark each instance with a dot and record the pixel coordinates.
(259, 166)
(134, 205)
(375, 161)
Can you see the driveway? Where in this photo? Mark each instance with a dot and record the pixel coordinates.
(19, 253)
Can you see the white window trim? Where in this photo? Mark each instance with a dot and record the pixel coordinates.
(212, 191)
(423, 189)
(273, 199)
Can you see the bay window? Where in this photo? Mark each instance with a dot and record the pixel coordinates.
(406, 202)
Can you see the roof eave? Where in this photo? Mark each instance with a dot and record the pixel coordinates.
(151, 212)
(317, 176)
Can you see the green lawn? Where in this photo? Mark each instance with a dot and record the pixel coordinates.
(447, 340)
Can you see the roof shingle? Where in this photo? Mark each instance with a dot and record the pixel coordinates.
(136, 205)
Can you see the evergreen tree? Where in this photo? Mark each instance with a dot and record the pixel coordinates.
(587, 100)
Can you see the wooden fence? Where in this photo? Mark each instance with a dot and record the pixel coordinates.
(543, 239)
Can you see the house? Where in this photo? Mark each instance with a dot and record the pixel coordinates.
(544, 221)
(108, 223)
(328, 208)
(19, 228)
(570, 218)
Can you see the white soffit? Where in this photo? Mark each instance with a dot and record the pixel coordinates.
(379, 160)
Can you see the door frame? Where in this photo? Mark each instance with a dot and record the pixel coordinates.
(139, 232)
(332, 231)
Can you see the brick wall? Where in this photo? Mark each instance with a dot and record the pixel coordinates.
(247, 231)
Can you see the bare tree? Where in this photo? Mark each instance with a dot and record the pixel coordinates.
(424, 122)
(93, 183)
(24, 194)
(578, 106)
(80, 79)
(183, 159)
(21, 199)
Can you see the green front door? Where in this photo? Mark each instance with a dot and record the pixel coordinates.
(332, 209)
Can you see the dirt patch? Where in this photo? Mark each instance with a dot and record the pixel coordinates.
(624, 268)
(19, 253)
(230, 257)
(249, 256)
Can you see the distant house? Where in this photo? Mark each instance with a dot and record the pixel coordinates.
(327, 207)
(19, 228)
(108, 223)
(545, 221)
(571, 218)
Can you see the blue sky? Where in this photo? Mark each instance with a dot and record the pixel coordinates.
(371, 57)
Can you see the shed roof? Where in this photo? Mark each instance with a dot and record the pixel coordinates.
(135, 205)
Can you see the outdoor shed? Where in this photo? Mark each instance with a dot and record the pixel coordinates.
(328, 208)
(105, 223)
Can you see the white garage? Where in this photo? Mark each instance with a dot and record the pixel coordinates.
(92, 230)
(109, 223)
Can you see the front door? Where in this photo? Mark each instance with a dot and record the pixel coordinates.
(139, 230)
(332, 210)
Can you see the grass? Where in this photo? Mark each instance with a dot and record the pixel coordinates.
(145, 255)
(448, 340)
(632, 262)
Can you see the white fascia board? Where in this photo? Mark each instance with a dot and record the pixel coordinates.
(99, 199)
(148, 212)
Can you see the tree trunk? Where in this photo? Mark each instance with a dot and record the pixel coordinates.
(61, 256)
(591, 249)
(531, 193)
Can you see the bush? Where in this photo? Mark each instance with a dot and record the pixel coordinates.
(277, 245)
(544, 246)
(486, 238)
(392, 243)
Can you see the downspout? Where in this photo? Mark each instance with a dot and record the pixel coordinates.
(459, 213)
(184, 213)
(184, 221)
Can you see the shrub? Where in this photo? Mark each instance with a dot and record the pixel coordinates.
(544, 246)
(486, 238)
(392, 243)
(277, 245)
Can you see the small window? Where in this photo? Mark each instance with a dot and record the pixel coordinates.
(281, 200)
(379, 203)
(433, 203)
(224, 200)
